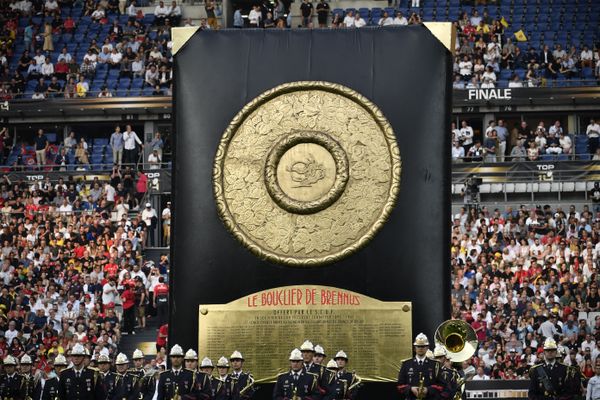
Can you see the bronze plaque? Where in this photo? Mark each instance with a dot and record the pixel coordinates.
(267, 325)
(307, 173)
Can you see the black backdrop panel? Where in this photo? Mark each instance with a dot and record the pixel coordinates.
(405, 71)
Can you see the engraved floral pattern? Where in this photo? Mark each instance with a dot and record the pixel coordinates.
(336, 231)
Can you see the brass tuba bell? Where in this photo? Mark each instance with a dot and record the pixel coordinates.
(458, 338)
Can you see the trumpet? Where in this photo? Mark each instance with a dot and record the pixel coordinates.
(249, 385)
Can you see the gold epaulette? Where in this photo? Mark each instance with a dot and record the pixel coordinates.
(312, 373)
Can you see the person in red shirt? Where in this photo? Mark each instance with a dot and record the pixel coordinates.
(161, 300)
(111, 268)
(69, 25)
(161, 339)
(480, 328)
(128, 298)
(61, 69)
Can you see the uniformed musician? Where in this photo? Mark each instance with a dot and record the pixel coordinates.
(336, 387)
(80, 382)
(138, 364)
(450, 376)
(420, 377)
(319, 356)
(106, 375)
(191, 360)
(593, 386)
(308, 352)
(60, 363)
(87, 357)
(126, 383)
(297, 383)
(575, 377)
(207, 367)
(222, 384)
(548, 380)
(11, 383)
(352, 380)
(177, 383)
(46, 387)
(146, 380)
(243, 382)
(29, 380)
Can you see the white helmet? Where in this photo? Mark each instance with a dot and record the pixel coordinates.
(307, 346)
(332, 364)
(320, 351)
(60, 360)
(78, 350)
(103, 358)
(439, 351)
(137, 354)
(206, 362)
(341, 354)
(191, 355)
(176, 351)
(421, 340)
(121, 359)
(550, 344)
(236, 355)
(296, 355)
(223, 362)
(10, 360)
(26, 360)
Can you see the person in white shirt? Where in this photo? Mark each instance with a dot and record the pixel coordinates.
(148, 215)
(98, 14)
(47, 68)
(480, 376)
(254, 17)
(175, 14)
(466, 135)
(458, 153)
(132, 11)
(586, 57)
(137, 67)
(92, 57)
(359, 22)
(154, 160)
(593, 133)
(109, 292)
(130, 138)
(349, 19)
(593, 386)
(115, 59)
(110, 192)
(151, 76)
(400, 19)
(386, 20)
(489, 78)
(65, 208)
(160, 13)
(465, 68)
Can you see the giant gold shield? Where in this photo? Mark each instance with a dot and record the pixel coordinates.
(307, 173)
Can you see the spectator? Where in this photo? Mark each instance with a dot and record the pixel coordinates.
(466, 135)
(466, 68)
(238, 21)
(154, 160)
(400, 19)
(255, 16)
(151, 76)
(54, 88)
(359, 22)
(41, 146)
(518, 152)
(81, 154)
(42, 87)
(488, 78)
(166, 223)
(130, 139)
(565, 143)
(533, 151)
(323, 13)
(306, 11)
(82, 87)
(586, 57)
(211, 18)
(593, 133)
(150, 218)
(476, 152)
(349, 19)
(161, 12)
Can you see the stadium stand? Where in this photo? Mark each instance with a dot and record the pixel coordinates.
(499, 45)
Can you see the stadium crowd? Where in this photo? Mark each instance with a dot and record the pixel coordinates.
(72, 268)
(523, 275)
(523, 142)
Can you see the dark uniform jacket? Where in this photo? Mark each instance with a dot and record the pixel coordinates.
(239, 384)
(181, 382)
(450, 378)
(11, 387)
(322, 377)
(108, 383)
(48, 392)
(126, 387)
(146, 383)
(411, 373)
(88, 386)
(550, 382)
(28, 385)
(336, 387)
(221, 389)
(349, 379)
(305, 386)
